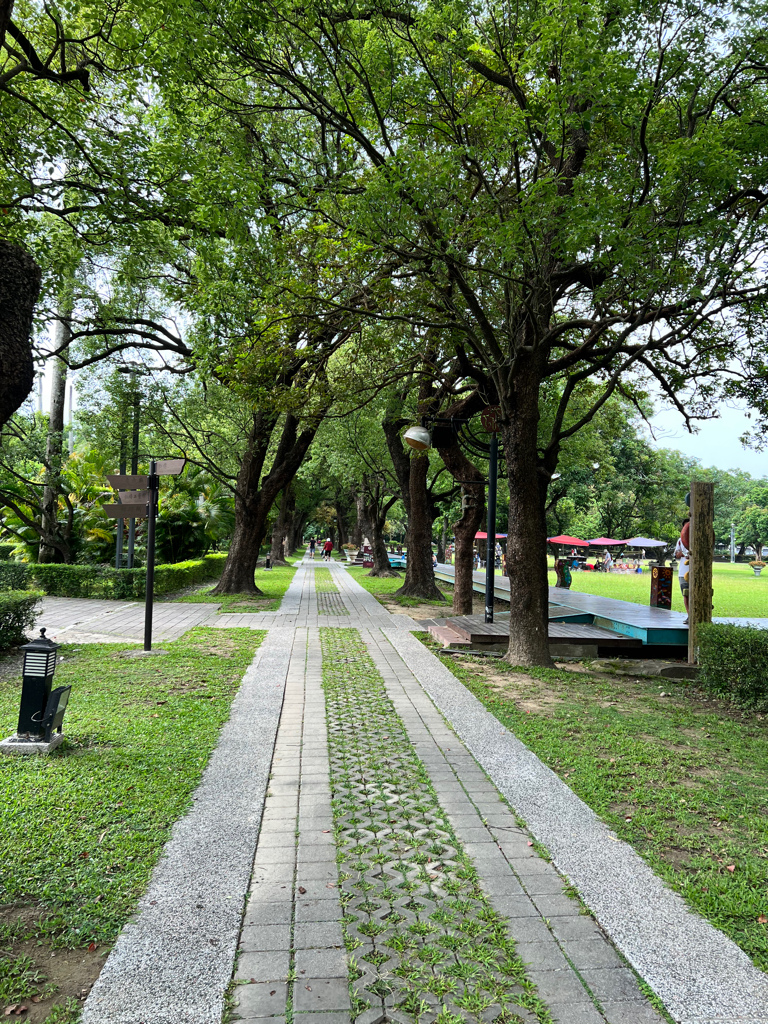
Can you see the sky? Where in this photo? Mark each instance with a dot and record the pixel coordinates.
(716, 443)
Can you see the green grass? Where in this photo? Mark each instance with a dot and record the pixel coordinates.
(82, 828)
(273, 584)
(385, 586)
(683, 778)
(738, 592)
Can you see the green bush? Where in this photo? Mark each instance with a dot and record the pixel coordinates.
(14, 575)
(17, 615)
(6, 550)
(106, 582)
(734, 663)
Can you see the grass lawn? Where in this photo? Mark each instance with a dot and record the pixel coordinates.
(272, 582)
(82, 828)
(384, 588)
(682, 777)
(738, 592)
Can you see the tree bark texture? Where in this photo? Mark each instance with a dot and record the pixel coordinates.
(255, 496)
(54, 548)
(527, 532)
(20, 280)
(374, 516)
(419, 573)
(473, 485)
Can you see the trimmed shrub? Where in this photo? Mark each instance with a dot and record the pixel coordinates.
(734, 663)
(106, 582)
(14, 575)
(17, 615)
(6, 550)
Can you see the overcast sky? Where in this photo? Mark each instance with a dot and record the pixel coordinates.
(716, 443)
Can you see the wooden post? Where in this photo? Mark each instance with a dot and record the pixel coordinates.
(702, 549)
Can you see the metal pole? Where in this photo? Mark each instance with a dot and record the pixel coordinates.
(119, 542)
(733, 542)
(490, 541)
(134, 470)
(154, 491)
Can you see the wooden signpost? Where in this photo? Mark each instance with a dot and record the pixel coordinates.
(138, 499)
(702, 549)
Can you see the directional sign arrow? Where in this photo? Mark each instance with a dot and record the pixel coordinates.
(133, 497)
(170, 467)
(125, 482)
(126, 511)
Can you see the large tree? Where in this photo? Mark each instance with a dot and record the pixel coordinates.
(576, 190)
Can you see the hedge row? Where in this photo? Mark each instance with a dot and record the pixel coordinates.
(5, 550)
(17, 615)
(733, 663)
(106, 582)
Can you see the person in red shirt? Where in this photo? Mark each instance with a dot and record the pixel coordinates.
(327, 549)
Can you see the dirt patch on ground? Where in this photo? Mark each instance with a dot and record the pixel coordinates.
(418, 611)
(55, 975)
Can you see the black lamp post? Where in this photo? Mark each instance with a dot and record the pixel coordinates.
(443, 429)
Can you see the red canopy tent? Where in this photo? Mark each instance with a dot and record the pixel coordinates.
(573, 542)
(484, 536)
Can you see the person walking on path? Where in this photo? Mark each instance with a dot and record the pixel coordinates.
(312, 544)
(684, 568)
(327, 549)
(607, 561)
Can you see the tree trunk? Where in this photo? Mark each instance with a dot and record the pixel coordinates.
(527, 540)
(342, 524)
(254, 496)
(442, 540)
(372, 516)
(419, 573)
(296, 531)
(277, 552)
(360, 524)
(20, 279)
(52, 547)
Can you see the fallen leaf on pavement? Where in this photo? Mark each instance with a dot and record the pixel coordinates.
(302, 890)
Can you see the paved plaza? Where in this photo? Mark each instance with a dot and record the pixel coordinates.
(368, 843)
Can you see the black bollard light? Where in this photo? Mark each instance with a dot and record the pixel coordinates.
(37, 676)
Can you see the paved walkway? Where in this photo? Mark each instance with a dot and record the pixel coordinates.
(363, 847)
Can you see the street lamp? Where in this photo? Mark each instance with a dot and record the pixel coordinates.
(421, 439)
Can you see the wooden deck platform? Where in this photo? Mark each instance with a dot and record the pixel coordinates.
(640, 623)
(474, 630)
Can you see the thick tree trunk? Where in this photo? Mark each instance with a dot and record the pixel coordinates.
(20, 279)
(53, 547)
(419, 573)
(254, 496)
(381, 566)
(342, 524)
(527, 540)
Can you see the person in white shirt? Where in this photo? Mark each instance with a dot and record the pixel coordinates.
(684, 568)
(607, 561)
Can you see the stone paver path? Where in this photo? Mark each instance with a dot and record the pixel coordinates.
(391, 879)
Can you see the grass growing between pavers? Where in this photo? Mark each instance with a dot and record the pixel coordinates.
(272, 582)
(82, 828)
(384, 587)
(421, 933)
(324, 581)
(682, 777)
